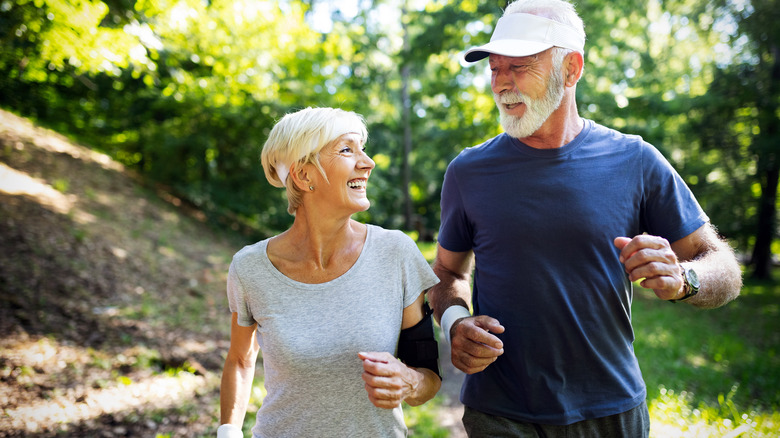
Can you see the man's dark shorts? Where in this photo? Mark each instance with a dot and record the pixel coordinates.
(630, 424)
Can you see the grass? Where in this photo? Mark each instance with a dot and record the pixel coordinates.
(422, 421)
(711, 373)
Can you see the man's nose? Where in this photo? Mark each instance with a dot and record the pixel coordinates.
(501, 81)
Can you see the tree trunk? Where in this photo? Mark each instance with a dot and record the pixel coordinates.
(767, 216)
(406, 108)
(768, 170)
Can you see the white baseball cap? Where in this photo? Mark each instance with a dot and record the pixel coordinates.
(523, 34)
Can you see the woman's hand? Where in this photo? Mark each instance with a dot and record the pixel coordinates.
(388, 380)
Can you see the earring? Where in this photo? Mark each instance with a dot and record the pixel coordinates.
(311, 188)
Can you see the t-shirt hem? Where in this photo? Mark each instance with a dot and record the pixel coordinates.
(569, 417)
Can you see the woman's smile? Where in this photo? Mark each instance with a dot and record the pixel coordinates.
(358, 184)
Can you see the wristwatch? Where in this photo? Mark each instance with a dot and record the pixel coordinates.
(690, 283)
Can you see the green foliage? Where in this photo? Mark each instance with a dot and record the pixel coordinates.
(43, 38)
(186, 92)
(423, 421)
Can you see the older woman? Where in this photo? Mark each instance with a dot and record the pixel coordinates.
(330, 300)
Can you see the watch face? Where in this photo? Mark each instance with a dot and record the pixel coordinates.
(693, 279)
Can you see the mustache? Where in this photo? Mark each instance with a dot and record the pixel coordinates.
(509, 97)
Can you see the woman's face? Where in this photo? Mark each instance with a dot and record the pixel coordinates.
(348, 168)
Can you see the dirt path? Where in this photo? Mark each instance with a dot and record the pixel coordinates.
(112, 307)
(452, 411)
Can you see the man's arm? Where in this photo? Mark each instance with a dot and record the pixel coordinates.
(658, 262)
(473, 345)
(454, 288)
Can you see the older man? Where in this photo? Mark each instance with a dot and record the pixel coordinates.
(556, 218)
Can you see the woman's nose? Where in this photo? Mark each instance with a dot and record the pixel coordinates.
(365, 162)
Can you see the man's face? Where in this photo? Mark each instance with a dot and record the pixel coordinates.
(527, 90)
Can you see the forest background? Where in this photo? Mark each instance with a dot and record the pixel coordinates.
(183, 94)
(186, 91)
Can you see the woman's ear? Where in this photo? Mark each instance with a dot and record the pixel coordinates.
(301, 176)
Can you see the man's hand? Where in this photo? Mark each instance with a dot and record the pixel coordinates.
(473, 345)
(388, 380)
(651, 258)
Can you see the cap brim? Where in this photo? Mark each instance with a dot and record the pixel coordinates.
(514, 48)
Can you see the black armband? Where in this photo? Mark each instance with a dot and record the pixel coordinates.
(417, 346)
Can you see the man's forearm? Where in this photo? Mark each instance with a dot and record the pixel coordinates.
(452, 290)
(719, 274)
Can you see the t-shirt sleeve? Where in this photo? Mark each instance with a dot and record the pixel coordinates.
(670, 209)
(237, 297)
(455, 231)
(417, 273)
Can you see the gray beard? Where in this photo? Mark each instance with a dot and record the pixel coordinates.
(537, 111)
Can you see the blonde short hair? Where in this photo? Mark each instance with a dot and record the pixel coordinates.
(298, 138)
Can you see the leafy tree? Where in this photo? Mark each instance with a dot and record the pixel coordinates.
(185, 91)
(738, 119)
(696, 78)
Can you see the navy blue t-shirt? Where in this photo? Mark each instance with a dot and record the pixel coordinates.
(541, 224)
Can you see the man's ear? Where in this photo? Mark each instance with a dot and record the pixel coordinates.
(573, 65)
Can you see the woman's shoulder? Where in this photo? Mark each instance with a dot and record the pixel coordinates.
(251, 252)
(388, 237)
(378, 232)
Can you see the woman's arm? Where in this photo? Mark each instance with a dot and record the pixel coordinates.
(238, 373)
(389, 381)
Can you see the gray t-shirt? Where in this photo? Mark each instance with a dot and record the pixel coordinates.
(310, 335)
